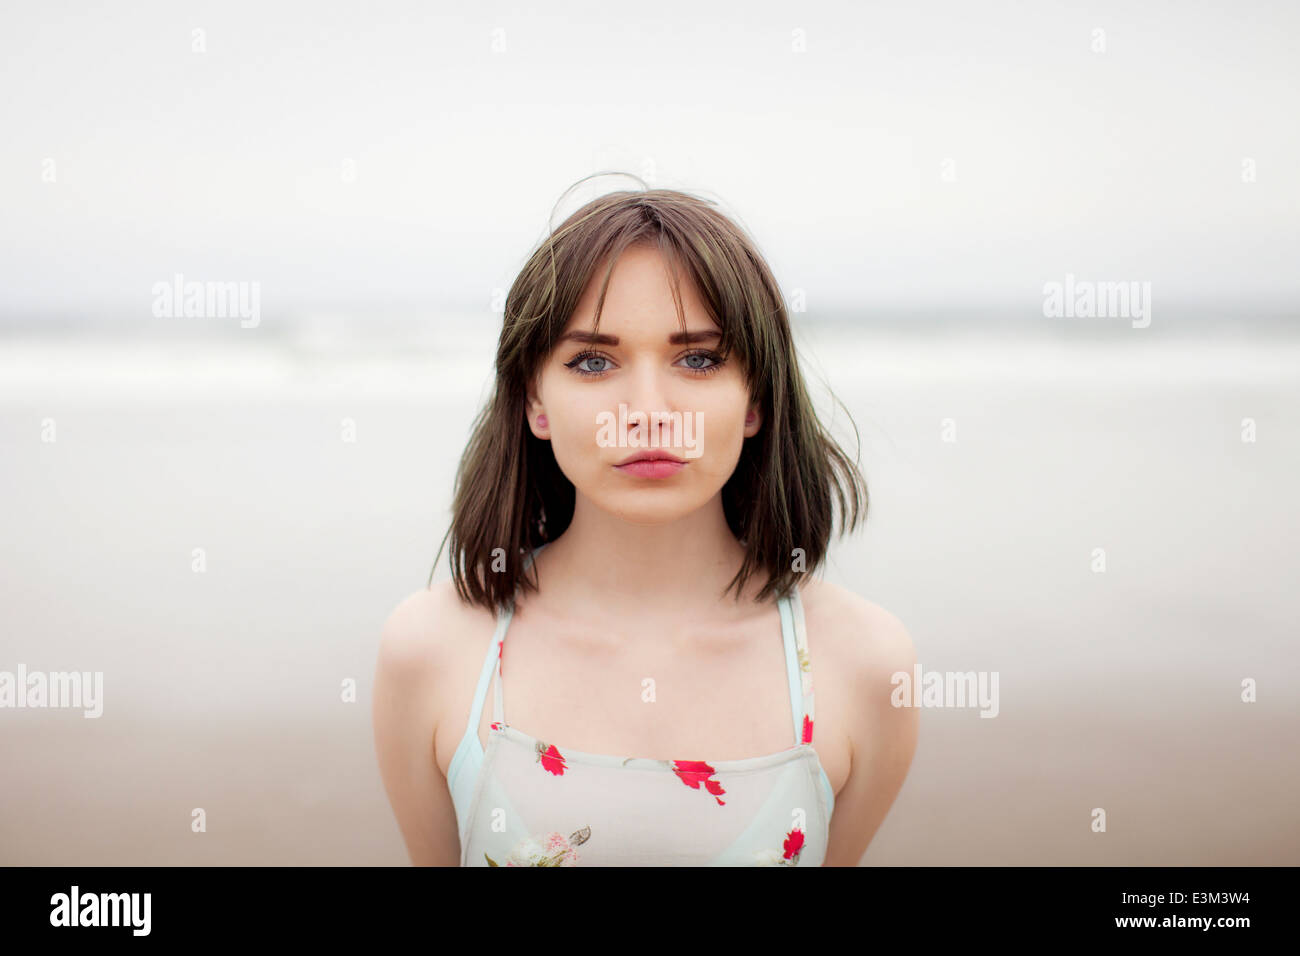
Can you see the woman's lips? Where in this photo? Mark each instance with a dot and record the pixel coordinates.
(652, 467)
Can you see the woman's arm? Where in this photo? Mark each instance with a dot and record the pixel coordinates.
(404, 718)
(882, 737)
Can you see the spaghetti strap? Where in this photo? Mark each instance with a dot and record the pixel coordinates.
(498, 706)
(797, 670)
(805, 666)
(485, 674)
(503, 624)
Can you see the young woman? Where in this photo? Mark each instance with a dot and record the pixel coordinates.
(620, 669)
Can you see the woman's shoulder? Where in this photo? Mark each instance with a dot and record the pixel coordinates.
(431, 626)
(854, 631)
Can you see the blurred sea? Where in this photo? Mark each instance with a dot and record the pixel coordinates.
(447, 354)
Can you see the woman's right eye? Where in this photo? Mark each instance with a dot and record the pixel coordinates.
(580, 364)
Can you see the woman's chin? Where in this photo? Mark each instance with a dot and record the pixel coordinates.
(647, 513)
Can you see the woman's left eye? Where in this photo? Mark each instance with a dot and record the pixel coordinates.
(696, 361)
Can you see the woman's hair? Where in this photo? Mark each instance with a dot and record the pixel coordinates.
(510, 495)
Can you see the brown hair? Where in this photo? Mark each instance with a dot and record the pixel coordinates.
(510, 495)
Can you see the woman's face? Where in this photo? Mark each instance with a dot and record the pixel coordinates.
(640, 390)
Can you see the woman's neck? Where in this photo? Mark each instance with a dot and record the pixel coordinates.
(660, 570)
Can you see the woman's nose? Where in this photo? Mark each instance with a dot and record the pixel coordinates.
(649, 395)
(648, 392)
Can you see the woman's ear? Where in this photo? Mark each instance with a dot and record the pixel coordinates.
(537, 422)
(753, 420)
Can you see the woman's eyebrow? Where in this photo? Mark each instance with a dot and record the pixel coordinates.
(677, 338)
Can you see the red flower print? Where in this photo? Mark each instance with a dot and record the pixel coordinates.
(696, 772)
(807, 729)
(501, 660)
(496, 725)
(793, 844)
(551, 758)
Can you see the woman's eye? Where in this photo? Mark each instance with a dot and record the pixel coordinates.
(579, 364)
(703, 362)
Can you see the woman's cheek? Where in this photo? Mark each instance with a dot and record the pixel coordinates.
(720, 441)
(574, 442)
(565, 447)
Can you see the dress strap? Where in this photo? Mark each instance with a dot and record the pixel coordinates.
(503, 624)
(798, 670)
(499, 640)
(488, 669)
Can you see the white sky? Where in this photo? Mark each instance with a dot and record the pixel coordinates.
(226, 165)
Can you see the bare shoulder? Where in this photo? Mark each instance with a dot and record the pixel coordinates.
(860, 635)
(421, 645)
(866, 646)
(425, 632)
